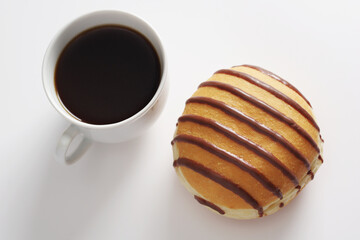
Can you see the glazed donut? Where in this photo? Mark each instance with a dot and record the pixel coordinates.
(246, 143)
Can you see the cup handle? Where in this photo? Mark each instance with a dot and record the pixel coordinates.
(64, 143)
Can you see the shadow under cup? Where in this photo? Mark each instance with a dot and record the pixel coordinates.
(135, 124)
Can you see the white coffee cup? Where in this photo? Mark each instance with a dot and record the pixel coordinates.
(109, 133)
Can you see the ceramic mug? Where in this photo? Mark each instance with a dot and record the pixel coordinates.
(108, 133)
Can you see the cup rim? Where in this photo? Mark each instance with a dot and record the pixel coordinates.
(137, 115)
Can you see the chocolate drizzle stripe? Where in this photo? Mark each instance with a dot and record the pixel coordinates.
(321, 159)
(263, 106)
(221, 180)
(231, 134)
(209, 204)
(271, 90)
(276, 77)
(311, 174)
(231, 158)
(233, 112)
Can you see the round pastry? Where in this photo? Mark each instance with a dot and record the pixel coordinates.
(247, 143)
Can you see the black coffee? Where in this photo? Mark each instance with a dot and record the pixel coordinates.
(107, 74)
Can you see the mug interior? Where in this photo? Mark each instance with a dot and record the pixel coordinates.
(86, 22)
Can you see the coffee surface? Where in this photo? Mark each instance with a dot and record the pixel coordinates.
(107, 74)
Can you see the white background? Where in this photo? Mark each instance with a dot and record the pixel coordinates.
(130, 190)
